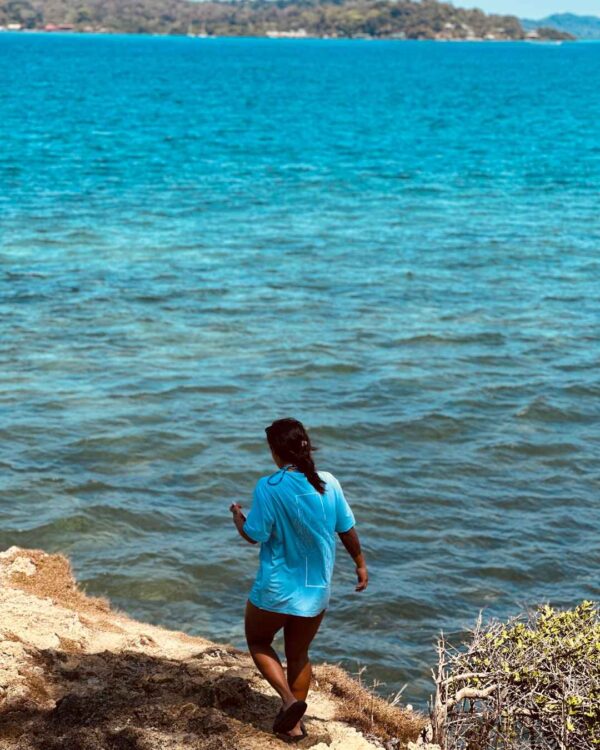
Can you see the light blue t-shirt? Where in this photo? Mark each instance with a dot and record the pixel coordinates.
(297, 527)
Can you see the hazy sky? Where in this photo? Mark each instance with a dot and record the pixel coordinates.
(534, 8)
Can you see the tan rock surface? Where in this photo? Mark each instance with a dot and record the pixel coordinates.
(75, 675)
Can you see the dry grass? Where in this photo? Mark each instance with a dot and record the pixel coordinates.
(369, 713)
(54, 579)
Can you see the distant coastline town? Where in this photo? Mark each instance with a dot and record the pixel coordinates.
(297, 19)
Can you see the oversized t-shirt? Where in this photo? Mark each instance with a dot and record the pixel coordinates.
(296, 526)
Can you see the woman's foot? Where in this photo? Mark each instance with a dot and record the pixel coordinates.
(298, 732)
(289, 716)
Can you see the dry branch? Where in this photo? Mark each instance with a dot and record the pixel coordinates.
(532, 683)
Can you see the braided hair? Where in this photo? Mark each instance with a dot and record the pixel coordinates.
(289, 440)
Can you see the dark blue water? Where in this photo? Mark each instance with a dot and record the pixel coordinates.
(396, 242)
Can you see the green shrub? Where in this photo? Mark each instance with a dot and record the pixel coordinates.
(533, 682)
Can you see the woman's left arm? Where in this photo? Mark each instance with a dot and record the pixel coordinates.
(239, 519)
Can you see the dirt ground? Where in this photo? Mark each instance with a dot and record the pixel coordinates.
(75, 675)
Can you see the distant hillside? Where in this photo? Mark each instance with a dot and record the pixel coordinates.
(581, 27)
(401, 19)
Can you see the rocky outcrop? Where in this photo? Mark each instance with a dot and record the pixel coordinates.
(76, 675)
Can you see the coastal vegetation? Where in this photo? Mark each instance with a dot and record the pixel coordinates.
(384, 19)
(533, 682)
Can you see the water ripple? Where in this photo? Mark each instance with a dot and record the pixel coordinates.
(207, 246)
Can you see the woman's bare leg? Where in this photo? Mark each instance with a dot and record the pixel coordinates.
(298, 634)
(261, 627)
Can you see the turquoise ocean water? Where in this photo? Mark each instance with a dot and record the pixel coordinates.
(396, 242)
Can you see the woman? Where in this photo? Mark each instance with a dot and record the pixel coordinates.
(295, 514)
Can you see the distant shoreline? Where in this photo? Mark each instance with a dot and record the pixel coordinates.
(287, 19)
(283, 37)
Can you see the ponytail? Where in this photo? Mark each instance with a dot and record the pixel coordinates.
(289, 440)
(306, 465)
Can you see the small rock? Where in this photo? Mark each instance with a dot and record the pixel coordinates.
(21, 565)
(10, 552)
(161, 677)
(232, 692)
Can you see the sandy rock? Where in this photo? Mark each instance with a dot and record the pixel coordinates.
(10, 553)
(21, 565)
(75, 675)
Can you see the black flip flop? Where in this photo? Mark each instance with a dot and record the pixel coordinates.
(297, 738)
(287, 718)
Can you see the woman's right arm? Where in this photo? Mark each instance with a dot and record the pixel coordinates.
(351, 542)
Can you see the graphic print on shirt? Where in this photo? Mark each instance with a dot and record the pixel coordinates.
(310, 525)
